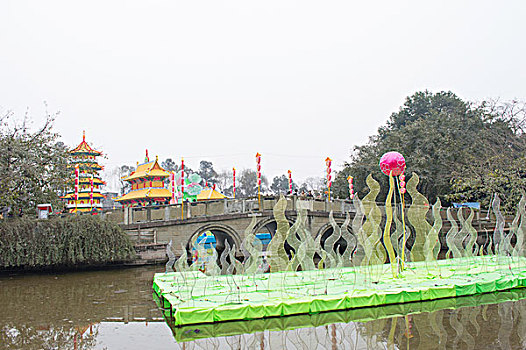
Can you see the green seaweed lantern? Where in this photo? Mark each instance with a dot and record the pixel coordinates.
(393, 164)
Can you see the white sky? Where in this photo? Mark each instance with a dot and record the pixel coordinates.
(296, 81)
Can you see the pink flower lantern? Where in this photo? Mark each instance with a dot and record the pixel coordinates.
(392, 161)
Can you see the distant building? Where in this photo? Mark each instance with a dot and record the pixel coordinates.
(209, 193)
(86, 195)
(147, 185)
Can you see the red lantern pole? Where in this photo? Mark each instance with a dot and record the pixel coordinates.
(258, 162)
(351, 190)
(290, 181)
(77, 174)
(182, 189)
(172, 182)
(91, 192)
(328, 163)
(234, 178)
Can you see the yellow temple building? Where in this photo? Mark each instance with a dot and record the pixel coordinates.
(147, 185)
(208, 194)
(87, 196)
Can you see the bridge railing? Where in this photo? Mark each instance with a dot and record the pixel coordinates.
(230, 206)
(220, 207)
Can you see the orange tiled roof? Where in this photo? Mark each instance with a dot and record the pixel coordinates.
(145, 193)
(151, 169)
(209, 194)
(84, 148)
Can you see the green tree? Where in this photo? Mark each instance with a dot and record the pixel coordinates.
(247, 184)
(124, 171)
(315, 184)
(225, 182)
(169, 165)
(207, 172)
(455, 147)
(33, 164)
(280, 185)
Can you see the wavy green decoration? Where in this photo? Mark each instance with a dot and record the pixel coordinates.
(278, 258)
(377, 258)
(374, 251)
(489, 248)
(451, 236)
(432, 244)
(294, 242)
(357, 228)
(416, 215)
(472, 234)
(498, 233)
(222, 258)
(457, 326)
(463, 233)
(235, 264)
(473, 314)
(350, 239)
(521, 325)
(387, 230)
(436, 321)
(252, 248)
(329, 243)
(506, 325)
(396, 236)
(466, 336)
(307, 249)
(518, 226)
(212, 267)
(326, 260)
(180, 264)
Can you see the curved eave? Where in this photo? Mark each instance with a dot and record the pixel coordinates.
(84, 195)
(148, 194)
(85, 153)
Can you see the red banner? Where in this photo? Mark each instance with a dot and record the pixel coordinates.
(234, 178)
(76, 182)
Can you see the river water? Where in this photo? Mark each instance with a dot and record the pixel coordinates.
(114, 309)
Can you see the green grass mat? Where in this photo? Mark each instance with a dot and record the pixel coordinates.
(195, 298)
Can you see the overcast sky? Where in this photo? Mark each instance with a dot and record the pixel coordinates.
(296, 81)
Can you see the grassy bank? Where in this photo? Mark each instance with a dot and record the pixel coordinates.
(76, 241)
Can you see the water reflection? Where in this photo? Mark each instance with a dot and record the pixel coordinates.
(114, 309)
(66, 311)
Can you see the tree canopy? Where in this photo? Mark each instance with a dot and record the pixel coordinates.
(247, 184)
(462, 151)
(280, 184)
(33, 164)
(207, 172)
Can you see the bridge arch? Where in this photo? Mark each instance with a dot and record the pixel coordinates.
(269, 224)
(222, 233)
(326, 231)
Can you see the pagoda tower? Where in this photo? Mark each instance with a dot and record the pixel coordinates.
(86, 196)
(147, 185)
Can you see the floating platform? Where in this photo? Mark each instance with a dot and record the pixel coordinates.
(192, 298)
(366, 314)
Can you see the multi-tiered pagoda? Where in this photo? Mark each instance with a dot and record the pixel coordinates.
(147, 185)
(86, 196)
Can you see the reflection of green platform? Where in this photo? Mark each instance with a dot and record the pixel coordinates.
(222, 329)
(194, 298)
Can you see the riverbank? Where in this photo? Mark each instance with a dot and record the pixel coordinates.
(75, 242)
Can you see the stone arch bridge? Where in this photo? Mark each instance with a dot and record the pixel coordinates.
(226, 219)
